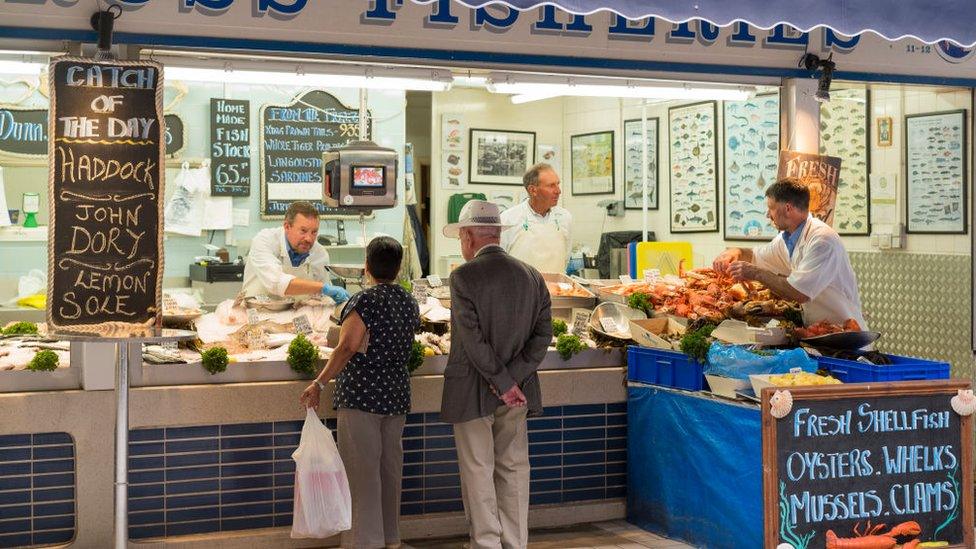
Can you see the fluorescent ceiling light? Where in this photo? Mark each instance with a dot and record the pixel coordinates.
(338, 77)
(526, 88)
(21, 67)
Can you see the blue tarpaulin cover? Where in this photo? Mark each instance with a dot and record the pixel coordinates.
(893, 19)
(694, 468)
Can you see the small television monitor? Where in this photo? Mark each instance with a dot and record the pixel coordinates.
(368, 177)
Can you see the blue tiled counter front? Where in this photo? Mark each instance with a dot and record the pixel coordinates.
(37, 489)
(192, 480)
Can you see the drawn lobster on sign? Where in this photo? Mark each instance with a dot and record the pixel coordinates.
(872, 538)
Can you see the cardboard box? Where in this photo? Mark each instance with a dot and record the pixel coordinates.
(738, 332)
(649, 332)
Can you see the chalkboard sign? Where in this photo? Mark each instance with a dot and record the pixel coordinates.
(890, 459)
(175, 135)
(23, 133)
(230, 147)
(107, 161)
(293, 138)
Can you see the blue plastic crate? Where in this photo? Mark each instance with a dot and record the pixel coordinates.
(668, 368)
(902, 368)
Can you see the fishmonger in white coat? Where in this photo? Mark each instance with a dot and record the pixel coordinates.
(288, 260)
(540, 232)
(806, 262)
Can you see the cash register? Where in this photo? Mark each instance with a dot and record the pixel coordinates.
(216, 276)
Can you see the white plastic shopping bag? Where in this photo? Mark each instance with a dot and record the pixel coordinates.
(323, 507)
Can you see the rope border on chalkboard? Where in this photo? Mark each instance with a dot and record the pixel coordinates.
(262, 183)
(107, 329)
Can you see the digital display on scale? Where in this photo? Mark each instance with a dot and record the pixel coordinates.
(368, 177)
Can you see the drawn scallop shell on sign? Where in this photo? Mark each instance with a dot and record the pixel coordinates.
(785, 546)
(780, 404)
(964, 403)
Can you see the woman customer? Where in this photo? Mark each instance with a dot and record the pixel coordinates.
(372, 395)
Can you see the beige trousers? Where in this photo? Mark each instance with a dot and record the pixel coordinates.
(372, 452)
(493, 455)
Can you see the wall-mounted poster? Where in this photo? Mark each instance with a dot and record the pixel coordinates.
(592, 160)
(935, 168)
(694, 175)
(500, 157)
(751, 159)
(452, 131)
(633, 175)
(885, 129)
(550, 155)
(844, 133)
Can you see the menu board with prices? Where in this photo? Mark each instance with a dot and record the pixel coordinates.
(889, 460)
(106, 185)
(230, 147)
(293, 138)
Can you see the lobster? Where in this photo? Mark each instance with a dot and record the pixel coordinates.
(873, 538)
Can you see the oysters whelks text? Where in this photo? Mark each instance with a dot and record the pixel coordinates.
(106, 183)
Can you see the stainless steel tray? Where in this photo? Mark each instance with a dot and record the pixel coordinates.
(559, 302)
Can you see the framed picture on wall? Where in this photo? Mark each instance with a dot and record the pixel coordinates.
(693, 159)
(935, 172)
(633, 174)
(884, 131)
(500, 157)
(751, 146)
(592, 163)
(845, 133)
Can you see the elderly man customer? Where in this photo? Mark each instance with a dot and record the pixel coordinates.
(372, 396)
(500, 331)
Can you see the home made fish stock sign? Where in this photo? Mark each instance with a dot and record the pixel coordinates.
(868, 465)
(106, 182)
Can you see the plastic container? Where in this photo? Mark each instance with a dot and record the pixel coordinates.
(902, 368)
(667, 368)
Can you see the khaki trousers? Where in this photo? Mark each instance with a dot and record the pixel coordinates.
(493, 455)
(372, 452)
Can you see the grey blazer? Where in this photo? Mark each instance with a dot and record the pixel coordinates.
(501, 328)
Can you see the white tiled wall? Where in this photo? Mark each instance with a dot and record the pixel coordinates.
(556, 120)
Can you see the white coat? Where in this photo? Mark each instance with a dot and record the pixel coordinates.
(543, 241)
(819, 269)
(268, 269)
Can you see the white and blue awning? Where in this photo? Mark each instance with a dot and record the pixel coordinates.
(928, 21)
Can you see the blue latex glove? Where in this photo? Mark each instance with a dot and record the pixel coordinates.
(339, 295)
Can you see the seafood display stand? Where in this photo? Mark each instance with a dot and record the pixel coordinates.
(123, 347)
(685, 448)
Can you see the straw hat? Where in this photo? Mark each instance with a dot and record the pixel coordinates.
(476, 213)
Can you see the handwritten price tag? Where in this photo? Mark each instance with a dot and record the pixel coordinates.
(610, 325)
(581, 322)
(252, 316)
(625, 279)
(565, 286)
(302, 325)
(435, 281)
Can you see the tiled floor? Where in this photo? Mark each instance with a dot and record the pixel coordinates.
(602, 535)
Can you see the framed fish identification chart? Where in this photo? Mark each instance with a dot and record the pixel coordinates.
(844, 133)
(935, 172)
(633, 174)
(693, 152)
(751, 159)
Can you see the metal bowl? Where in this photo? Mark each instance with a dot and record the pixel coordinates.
(267, 304)
(622, 314)
(843, 340)
(348, 271)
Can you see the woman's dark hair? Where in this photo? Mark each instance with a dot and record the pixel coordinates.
(383, 256)
(789, 190)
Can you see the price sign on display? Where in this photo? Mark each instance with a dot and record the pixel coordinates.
(896, 454)
(230, 147)
(581, 322)
(302, 325)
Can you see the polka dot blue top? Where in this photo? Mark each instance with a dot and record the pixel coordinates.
(378, 382)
